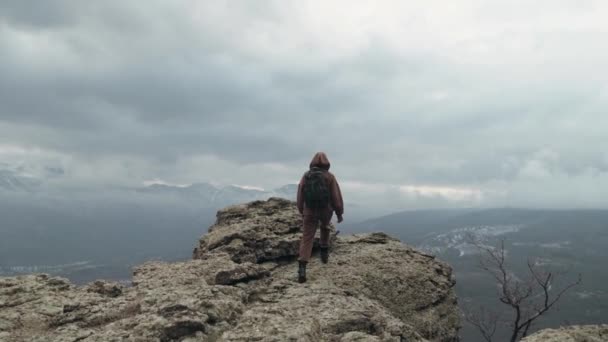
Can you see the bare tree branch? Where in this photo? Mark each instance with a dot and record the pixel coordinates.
(484, 320)
(529, 298)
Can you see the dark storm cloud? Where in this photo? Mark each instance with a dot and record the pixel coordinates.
(413, 95)
(180, 98)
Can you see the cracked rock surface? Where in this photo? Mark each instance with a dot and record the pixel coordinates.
(242, 286)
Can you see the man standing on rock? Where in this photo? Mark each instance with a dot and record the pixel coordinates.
(318, 197)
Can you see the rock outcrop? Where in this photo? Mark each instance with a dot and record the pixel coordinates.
(575, 333)
(241, 286)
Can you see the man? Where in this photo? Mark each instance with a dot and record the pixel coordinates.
(318, 198)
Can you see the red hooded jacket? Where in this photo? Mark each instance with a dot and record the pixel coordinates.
(336, 204)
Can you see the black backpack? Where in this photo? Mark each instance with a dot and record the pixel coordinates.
(316, 191)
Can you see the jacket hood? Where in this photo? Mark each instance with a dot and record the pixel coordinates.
(320, 160)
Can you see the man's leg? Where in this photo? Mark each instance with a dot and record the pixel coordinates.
(309, 229)
(324, 239)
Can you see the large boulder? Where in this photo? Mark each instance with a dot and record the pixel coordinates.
(256, 232)
(241, 286)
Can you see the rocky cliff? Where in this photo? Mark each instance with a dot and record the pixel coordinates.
(575, 333)
(241, 286)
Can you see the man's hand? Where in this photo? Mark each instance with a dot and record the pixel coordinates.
(340, 219)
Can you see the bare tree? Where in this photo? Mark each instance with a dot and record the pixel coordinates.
(528, 298)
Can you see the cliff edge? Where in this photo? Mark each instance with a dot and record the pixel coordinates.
(241, 286)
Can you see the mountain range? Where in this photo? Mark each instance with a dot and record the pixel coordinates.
(217, 196)
(208, 195)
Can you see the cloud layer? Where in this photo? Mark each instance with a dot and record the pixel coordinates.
(417, 104)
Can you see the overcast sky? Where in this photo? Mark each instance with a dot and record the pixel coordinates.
(477, 102)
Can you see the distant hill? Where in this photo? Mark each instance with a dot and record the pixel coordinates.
(217, 196)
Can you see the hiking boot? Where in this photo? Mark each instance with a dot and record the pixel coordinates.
(302, 272)
(324, 254)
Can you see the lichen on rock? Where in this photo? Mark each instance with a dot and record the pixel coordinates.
(241, 286)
